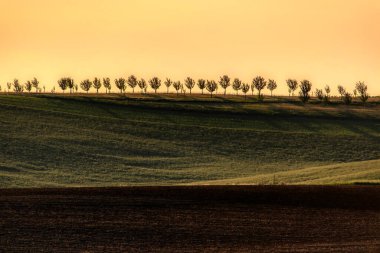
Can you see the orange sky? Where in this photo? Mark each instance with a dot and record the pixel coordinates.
(327, 41)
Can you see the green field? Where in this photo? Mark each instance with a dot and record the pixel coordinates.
(61, 141)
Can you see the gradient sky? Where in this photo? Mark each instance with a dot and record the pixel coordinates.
(327, 41)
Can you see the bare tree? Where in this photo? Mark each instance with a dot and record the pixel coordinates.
(272, 85)
(355, 93)
(362, 89)
(259, 83)
(347, 98)
(35, 83)
(189, 83)
(245, 89)
(28, 86)
(155, 83)
(142, 84)
(292, 85)
(86, 85)
(341, 91)
(252, 88)
(177, 86)
(97, 83)
(236, 85)
(70, 84)
(327, 96)
(168, 83)
(120, 84)
(201, 84)
(132, 82)
(224, 82)
(211, 86)
(76, 88)
(305, 90)
(107, 84)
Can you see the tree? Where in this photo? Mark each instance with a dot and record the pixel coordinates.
(245, 89)
(327, 96)
(252, 88)
(201, 84)
(168, 83)
(107, 84)
(347, 98)
(224, 82)
(76, 88)
(86, 85)
(355, 93)
(292, 85)
(259, 83)
(132, 82)
(341, 91)
(9, 86)
(319, 94)
(177, 86)
(155, 83)
(120, 84)
(211, 86)
(236, 85)
(97, 84)
(142, 84)
(305, 89)
(35, 83)
(18, 88)
(272, 85)
(28, 86)
(65, 83)
(189, 83)
(70, 84)
(362, 88)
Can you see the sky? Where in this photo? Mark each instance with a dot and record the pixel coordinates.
(334, 42)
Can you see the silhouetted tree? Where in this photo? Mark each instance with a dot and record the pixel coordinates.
(142, 84)
(132, 82)
(292, 85)
(259, 83)
(120, 84)
(177, 86)
(9, 86)
(17, 87)
(355, 93)
(224, 82)
(189, 83)
(327, 96)
(305, 89)
(319, 94)
(86, 85)
(107, 84)
(341, 91)
(272, 85)
(168, 83)
(201, 84)
(28, 86)
(236, 85)
(70, 84)
(362, 89)
(347, 98)
(252, 88)
(97, 84)
(35, 84)
(65, 83)
(245, 89)
(76, 88)
(211, 86)
(155, 83)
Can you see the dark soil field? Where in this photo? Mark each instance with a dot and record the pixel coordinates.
(191, 219)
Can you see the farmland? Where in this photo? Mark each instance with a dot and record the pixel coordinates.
(112, 140)
(191, 219)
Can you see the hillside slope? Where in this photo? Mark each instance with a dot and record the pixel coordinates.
(113, 141)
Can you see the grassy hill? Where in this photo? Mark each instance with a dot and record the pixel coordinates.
(51, 140)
